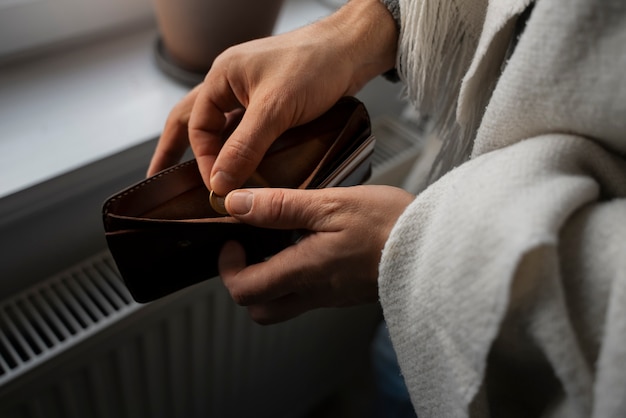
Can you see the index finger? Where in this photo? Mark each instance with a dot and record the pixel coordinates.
(208, 119)
(233, 162)
(174, 140)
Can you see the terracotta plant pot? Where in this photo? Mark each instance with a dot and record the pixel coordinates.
(194, 32)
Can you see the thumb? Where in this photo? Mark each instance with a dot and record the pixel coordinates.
(278, 208)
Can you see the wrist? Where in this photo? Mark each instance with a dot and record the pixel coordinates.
(368, 35)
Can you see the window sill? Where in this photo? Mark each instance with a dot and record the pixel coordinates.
(65, 110)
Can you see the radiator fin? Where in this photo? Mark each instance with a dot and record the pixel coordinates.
(60, 312)
(393, 140)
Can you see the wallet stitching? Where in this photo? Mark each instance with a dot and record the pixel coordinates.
(145, 183)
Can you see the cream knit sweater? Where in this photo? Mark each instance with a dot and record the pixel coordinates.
(504, 283)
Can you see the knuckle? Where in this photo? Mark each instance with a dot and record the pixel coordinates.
(276, 207)
(240, 151)
(328, 214)
(240, 296)
(221, 61)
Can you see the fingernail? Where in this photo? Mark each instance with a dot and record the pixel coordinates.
(240, 202)
(223, 182)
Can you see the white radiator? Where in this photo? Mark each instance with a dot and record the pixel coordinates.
(77, 346)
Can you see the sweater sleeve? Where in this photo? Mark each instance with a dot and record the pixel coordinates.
(394, 8)
(526, 236)
(485, 239)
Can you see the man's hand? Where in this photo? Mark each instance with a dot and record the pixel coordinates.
(277, 83)
(334, 264)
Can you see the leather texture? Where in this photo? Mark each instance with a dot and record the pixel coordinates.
(164, 235)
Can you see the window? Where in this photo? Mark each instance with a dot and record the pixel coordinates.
(29, 24)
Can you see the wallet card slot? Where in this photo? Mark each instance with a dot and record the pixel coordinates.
(348, 142)
(154, 191)
(192, 204)
(342, 174)
(290, 167)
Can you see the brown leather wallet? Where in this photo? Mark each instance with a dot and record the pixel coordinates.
(164, 235)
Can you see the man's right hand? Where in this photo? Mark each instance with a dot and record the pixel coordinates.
(278, 82)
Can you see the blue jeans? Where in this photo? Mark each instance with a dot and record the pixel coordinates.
(393, 399)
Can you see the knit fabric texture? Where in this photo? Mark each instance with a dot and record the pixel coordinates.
(394, 8)
(504, 283)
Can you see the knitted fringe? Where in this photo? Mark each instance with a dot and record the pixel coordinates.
(436, 48)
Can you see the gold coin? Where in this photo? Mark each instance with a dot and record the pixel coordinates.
(217, 203)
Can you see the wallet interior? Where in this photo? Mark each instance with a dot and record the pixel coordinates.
(303, 157)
